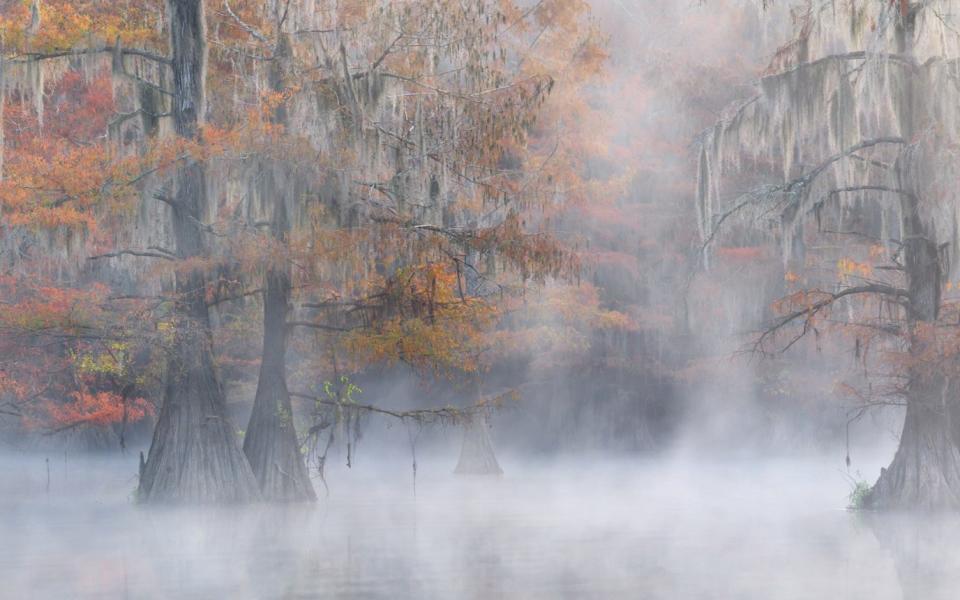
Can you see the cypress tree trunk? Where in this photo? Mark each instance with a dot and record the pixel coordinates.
(194, 456)
(925, 472)
(271, 442)
(476, 453)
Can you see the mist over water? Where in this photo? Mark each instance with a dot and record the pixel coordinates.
(665, 464)
(674, 527)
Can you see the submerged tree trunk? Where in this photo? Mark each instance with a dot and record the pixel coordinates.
(271, 443)
(194, 456)
(925, 472)
(476, 454)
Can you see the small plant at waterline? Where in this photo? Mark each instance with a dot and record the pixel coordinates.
(858, 495)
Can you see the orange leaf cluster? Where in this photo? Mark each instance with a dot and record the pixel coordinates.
(100, 408)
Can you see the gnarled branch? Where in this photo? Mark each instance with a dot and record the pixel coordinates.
(808, 312)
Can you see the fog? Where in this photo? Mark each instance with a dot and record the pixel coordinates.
(669, 460)
(600, 527)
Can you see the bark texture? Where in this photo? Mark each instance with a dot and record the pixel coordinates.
(925, 473)
(194, 456)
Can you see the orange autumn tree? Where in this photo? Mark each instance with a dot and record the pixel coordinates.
(140, 203)
(395, 172)
(65, 185)
(387, 164)
(70, 361)
(860, 161)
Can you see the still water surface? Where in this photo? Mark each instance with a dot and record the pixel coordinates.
(592, 529)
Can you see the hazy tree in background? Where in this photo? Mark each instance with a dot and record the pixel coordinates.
(853, 128)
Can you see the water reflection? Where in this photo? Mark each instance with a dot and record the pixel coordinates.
(925, 550)
(612, 529)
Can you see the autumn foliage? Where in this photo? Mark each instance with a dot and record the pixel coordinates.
(100, 408)
(417, 225)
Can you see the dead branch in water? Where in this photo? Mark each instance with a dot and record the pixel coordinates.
(428, 416)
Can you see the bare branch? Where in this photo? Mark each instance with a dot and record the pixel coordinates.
(320, 326)
(139, 253)
(53, 54)
(808, 312)
(386, 53)
(423, 415)
(249, 29)
(798, 184)
(235, 297)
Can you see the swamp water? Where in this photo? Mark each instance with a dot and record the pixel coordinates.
(587, 529)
